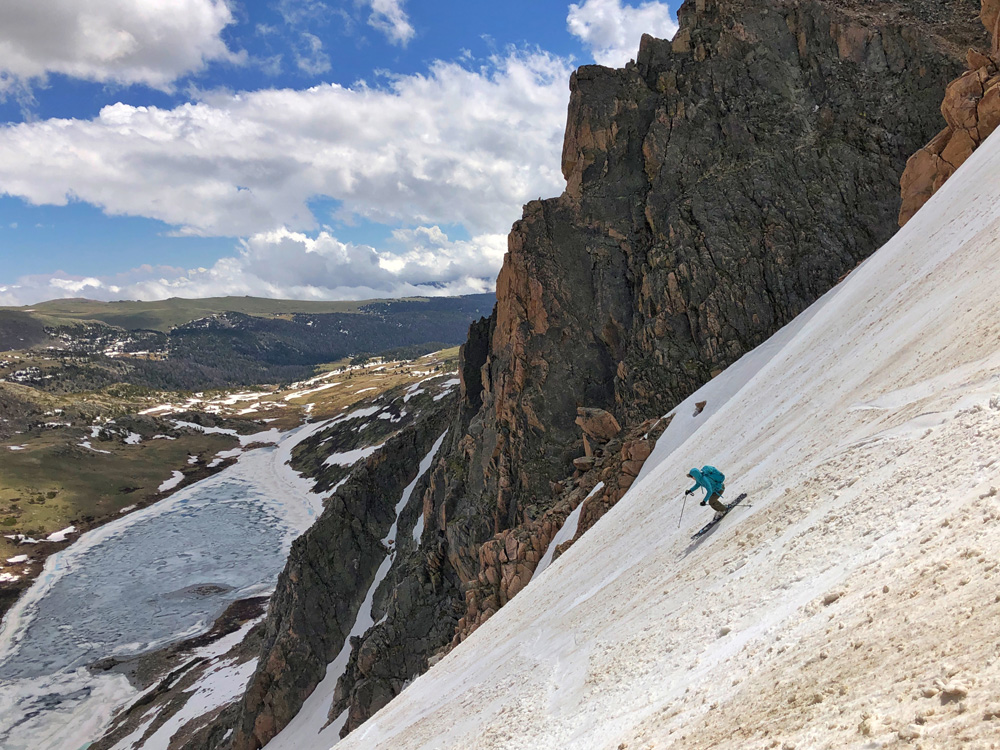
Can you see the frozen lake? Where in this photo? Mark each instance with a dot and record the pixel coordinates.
(150, 578)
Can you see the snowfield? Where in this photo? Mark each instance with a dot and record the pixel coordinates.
(231, 531)
(851, 602)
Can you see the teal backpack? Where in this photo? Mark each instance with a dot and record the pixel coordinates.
(717, 477)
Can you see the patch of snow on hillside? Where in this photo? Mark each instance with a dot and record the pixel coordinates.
(349, 458)
(86, 444)
(60, 536)
(130, 742)
(307, 728)
(223, 455)
(415, 389)
(222, 685)
(358, 413)
(272, 435)
(168, 484)
(161, 409)
(180, 423)
(418, 527)
(303, 394)
(21, 538)
(566, 532)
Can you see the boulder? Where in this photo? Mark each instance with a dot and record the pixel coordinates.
(597, 423)
(971, 107)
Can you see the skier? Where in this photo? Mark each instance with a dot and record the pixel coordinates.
(712, 481)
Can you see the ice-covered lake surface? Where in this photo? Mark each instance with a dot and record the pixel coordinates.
(148, 579)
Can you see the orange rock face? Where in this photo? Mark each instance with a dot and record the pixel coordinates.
(508, 560)
(971, 107)
(597, 423)
(991, 20)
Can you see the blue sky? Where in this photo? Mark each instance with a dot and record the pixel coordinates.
(292, 148)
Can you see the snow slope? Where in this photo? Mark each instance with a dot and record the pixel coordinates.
(853, 604)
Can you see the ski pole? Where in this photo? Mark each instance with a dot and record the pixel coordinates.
(682, 510)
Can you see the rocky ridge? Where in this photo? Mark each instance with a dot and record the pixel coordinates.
(715, 187)
(971, 107)
(319, 593)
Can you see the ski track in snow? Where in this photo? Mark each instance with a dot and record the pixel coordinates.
(829, 614)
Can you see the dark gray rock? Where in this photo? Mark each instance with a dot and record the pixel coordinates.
(330, 569)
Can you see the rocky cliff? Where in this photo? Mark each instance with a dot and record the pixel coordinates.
(715, 187)
(329, 570)
(971, 107)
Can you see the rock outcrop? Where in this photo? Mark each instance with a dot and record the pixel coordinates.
(715, 188)
(971, 107)
(508, 560)
(329, 570)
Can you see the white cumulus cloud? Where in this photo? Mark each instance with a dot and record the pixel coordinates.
(151, 42)
(612, 31)
(389, 17)
(455, 146)
(293, 265)
(310, 56)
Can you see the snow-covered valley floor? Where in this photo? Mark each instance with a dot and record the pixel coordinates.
(151, 577)
(852, 602)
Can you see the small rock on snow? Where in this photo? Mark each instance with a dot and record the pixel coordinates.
(831, 596)
(954, 691)
(909, 732)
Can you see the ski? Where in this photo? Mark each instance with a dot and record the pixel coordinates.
(729, 506)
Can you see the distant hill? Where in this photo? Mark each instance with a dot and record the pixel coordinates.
(19, 330)
(162, 315)
(226, 341)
